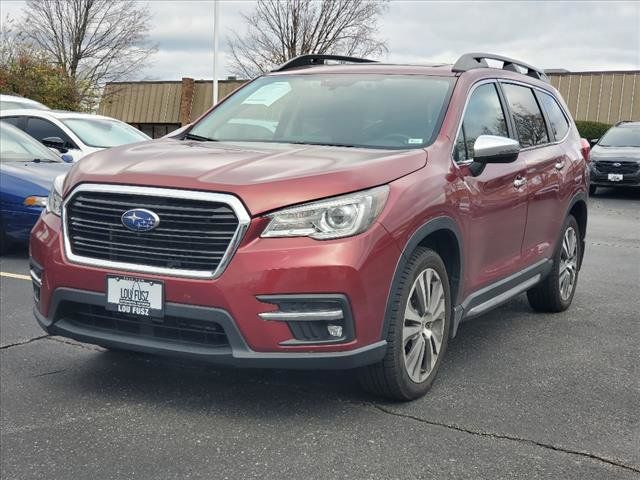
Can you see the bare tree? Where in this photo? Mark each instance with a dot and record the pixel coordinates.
(94, 41)
(279, 30)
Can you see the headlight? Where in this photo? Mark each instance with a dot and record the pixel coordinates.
(34, 201)
(54, 201)
(333, 218)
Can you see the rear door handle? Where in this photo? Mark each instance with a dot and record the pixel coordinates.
(519, 182)
(559, 165)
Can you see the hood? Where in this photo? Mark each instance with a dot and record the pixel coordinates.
(618, 153)
(40, 174)
(265, 176)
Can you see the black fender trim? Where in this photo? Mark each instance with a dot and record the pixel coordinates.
(432, 226)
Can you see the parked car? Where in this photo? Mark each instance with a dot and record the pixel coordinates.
(615, 158)
(388, 204)
(13, 102)
(27, 170)
(77, 134)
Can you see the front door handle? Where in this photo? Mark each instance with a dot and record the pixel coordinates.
(519, 182)
(559, 165)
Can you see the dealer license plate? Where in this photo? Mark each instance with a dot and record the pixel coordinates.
(615, 177)
(135, 296)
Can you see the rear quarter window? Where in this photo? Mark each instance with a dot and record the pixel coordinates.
(557, 120)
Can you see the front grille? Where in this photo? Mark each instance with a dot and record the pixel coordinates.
(626, 168)
(193, 234)
(172, 329)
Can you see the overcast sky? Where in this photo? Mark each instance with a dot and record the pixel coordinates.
(574, 35)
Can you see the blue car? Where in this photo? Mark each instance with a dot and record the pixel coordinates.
(27, 171)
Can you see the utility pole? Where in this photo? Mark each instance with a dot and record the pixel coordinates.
(215, 50)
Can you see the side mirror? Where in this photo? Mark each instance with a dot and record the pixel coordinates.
(55, 142)
(593, 141)
(66, 158)
(493, 149)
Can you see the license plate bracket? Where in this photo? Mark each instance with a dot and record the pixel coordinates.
(135, 296)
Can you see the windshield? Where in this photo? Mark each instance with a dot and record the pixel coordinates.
(621, 137)
(17, 146)
(371, 111)
(104, 133)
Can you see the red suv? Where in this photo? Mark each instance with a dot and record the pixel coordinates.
(324, 216)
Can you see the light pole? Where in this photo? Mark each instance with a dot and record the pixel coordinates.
(215, 50)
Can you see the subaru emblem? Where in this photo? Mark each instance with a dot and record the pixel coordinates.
(140, 220)
(616, 164)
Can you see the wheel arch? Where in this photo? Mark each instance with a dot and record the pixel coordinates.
(442, 235)
(578, 208)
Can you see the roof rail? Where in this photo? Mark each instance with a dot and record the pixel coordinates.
(313, 59)
(470, 61)
(622, 122)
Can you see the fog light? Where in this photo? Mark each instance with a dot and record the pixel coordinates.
(334, 330)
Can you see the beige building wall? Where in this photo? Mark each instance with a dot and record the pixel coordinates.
(606, 97)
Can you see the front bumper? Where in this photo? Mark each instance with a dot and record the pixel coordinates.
(600, 176)
(359, 269)
(236, 353)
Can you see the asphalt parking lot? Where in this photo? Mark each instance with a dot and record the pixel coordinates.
(520, 395)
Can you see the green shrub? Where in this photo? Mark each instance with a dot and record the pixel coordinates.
(590, 130)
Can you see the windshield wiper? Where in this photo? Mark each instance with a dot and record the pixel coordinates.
(42, 160)
(199, 138)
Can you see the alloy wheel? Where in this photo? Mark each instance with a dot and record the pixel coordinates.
(568, 263)
(423, 328)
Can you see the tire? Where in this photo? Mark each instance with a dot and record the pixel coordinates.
(592, 190)
(393, 377)
(551, 294)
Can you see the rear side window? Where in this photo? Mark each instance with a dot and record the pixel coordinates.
(557, 121)
(526, 115)
(39, 129)
(483, 116)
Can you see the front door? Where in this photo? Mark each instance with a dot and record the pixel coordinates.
(497, 198)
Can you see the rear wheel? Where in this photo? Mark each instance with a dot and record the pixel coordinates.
(555, 292)
(418, 331)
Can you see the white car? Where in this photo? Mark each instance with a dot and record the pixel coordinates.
(76, 134)
(12, 102)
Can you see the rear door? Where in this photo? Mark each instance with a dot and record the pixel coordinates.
(544, 161)
(497, 208)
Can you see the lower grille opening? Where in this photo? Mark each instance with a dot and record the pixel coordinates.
(169, 328)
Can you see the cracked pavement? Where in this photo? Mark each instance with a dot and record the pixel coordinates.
(520, 395)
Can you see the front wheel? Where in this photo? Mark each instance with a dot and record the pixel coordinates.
(555, 292)
(592, 190)
(418, 331)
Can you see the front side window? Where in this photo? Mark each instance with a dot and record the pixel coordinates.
(104, 133)
(39, 129)
(351, 110)
(526, 115)
(557, 121)
(483, 116)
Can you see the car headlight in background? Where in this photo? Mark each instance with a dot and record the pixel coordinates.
(335, 217)
(54, 202)
(34, 201)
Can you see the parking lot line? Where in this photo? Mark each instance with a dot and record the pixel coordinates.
(15, 275)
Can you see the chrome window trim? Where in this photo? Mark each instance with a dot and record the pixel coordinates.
(236, 205)
(515, 82)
